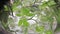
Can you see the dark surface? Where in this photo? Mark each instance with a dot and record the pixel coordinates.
(1, 32)
(2, 3)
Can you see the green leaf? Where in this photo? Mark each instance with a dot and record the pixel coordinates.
(49, 32)
(6, 8)
(18, 14)
(30, 14)
(51, 3)
(40, 29)
(43, 6)
(25, 12)
(16, 3)
(23, 22)
(20, 22)
(15, 8)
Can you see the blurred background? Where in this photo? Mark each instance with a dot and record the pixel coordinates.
(30, 16)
